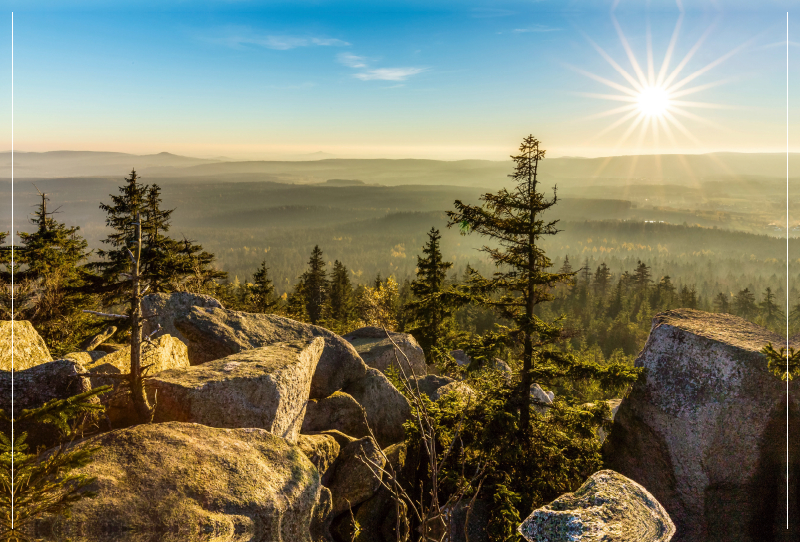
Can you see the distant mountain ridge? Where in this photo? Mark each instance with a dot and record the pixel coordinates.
(682, 169)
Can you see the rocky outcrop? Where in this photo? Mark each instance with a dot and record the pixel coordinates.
(29, 347)
(704, 429)
(93, 342)
(613, 404)
(35, 386)
(461, 357)
(357, 475)
(161, 310)
(164, 353)
(461, 390)
(339, 411)
(86, 358)
(608, 506)
(213, 333)
(176, 481)
(321, 449)
(323, 516)
(264, 387)
(541, 399)
(387, 409)
(377, 348)
(429, 384)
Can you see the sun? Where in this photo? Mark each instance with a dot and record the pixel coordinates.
(653, 101)
(652, 97)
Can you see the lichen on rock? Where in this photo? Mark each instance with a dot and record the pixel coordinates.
(608, 506)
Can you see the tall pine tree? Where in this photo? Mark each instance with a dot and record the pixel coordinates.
(533, 457)
(315, 286)
(50, 258)
(514, 220)
(166, 264)
(432, 308)
(262, 291)
(339, 311)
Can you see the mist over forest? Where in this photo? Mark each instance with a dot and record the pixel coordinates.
(717, 219)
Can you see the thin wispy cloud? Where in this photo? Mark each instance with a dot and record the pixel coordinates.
(388, 74)
(535, 28)
(241, 37)
(352, 61)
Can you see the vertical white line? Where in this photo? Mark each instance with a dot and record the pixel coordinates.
(787, 271)
(12, 271)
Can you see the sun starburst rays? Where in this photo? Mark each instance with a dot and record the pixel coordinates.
(654, 96)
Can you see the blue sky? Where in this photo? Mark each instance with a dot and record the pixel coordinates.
(447, 80)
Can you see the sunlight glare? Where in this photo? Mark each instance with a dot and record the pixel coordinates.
(653, 101)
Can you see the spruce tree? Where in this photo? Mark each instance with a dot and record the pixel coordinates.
(296, 304)
(262, 292)
(641, 277)
(166, 264)
(602, 279)
(315, 286)
(514, 220)
(534, 457)
(432, 309)
(721, 303)
(50, 257)
(114, 260)
(53, 249)
(771, 312)
(744, 304)
(339, 310)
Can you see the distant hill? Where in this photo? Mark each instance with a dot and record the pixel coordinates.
(89, 164)
(683, 169)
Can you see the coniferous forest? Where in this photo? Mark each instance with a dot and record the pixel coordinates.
(517, 320)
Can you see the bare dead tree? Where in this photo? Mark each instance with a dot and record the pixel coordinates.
(135, 379)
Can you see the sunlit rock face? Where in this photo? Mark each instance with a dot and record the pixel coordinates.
(212, 333)
(189, 482)
(264, 387)
(704, 430)
(29, 348)
(608, 506)
(381, 349)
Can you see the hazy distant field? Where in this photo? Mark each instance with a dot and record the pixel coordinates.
(716, 228)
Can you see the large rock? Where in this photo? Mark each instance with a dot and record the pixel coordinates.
(34, 387)
(164, 353)
(323, 516)
(265, 387)
(96, 340)
(461, 357)
(613, 404)
(377, 518)
(339, 411)
(387, 409)
(705, 429)
(176, 481)
(377, 348)
(461, 390)
(29, 347)
(213, 333)
(321, 449)
(161, 310)
(357, 474)
(86, 358)
(541, 398)
(608, 506)
(429, 384)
